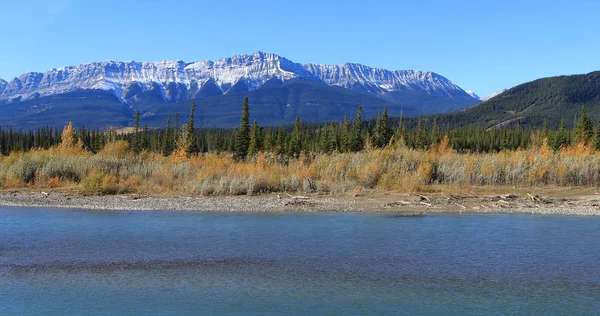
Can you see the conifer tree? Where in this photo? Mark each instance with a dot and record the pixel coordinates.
(175, 135)
(295, 141)
(356, 141)
(280, 141)
(403, 134)
(345, 135)
(422, 139)
(255, 140)
(242, 139)
(268, 141)
(188, 142)
(144, 138)
(597, 136)
(327, 143)
(167, 139)
(135, 140)
(382, 133)
(585, 130)
(435, 133)
(561, 138)
(331, 140)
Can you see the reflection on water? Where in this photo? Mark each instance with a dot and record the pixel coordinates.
(64, 261)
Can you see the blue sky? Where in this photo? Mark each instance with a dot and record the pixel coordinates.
(481, 45)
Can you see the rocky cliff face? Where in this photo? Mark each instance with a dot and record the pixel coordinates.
(177, 80)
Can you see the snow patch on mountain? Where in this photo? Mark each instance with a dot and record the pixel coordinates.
(493, 95)
(3, 84)
(472, 94)
(180, 80)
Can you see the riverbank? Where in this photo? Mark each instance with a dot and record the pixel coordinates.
(551, 202)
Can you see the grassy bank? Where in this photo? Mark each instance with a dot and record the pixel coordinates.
(116, 169)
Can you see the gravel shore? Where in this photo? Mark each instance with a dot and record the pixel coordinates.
(401, 204)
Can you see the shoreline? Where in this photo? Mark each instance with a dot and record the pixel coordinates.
(579, 204)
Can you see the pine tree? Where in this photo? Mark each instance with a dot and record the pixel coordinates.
(356, 141)
(585, 129)
(242, 139)
(295, 141)
(255, 140)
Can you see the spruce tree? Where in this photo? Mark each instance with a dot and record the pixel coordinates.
(382, 133)
(435, 133)
(175, 135)
(327, 142)
(331, 139)
(242, 139)
(585, 129)
(345, 135)
(356, 141)
(422, 139)
(144, 138)
(295, 141)
(188, 141)
(597, 136)
(167, 144)
(280, 141)
(135, 141)
(255, 140)
(561, 137)
(268, 141)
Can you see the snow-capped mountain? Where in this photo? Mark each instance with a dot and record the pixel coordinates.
(493, 95)
(378, 80)
(178, 80)
(473, 94)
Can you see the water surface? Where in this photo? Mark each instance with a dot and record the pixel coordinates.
(55, 261)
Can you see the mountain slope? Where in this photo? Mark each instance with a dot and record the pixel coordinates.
(552, 99)
(280, 104)
(92, 108)
(274, 103)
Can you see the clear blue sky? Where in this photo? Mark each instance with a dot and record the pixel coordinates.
(480, 45)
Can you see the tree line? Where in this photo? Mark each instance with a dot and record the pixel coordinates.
(302, 137)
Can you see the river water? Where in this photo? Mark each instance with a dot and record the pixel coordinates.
(55, 261)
